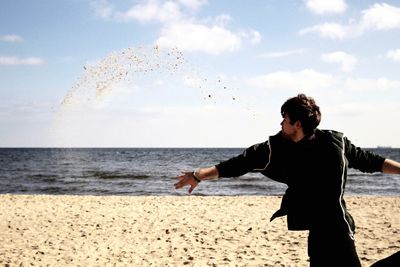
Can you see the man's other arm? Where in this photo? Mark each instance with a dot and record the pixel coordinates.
(391, 166)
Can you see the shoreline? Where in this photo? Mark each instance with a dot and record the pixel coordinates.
(61, 230)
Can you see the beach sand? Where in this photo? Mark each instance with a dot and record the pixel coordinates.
(45, 230)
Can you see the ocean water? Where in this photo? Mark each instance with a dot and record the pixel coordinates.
(149, 171)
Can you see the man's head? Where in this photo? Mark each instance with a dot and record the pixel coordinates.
(302, 109)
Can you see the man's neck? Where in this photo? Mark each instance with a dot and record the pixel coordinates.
(298, 136)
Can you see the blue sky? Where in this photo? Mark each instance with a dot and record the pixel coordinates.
(239, 61)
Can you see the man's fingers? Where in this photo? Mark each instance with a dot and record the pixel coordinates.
(185, 179)
(179, 184)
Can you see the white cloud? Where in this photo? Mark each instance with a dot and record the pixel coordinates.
(381, 17)
(13, 61)
(253, 36)
(198, 37)
(179, 29)
(282, 53)
(328, 30)
(347, 61)
(381, 84)
(378, 17)
(323, 6)
(210, 36)
(103, 9)
(222, 20)
(394, 55)
(12, 38)
(193, 4)
(304, 80)
(145, 11)
(153, 11)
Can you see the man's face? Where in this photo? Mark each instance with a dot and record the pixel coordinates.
(289, 130)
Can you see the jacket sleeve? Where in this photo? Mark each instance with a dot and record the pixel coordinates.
(361, 159)
(252, 158)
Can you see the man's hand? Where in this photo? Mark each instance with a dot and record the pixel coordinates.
(185, 179)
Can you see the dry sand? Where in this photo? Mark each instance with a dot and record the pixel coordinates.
(174, 231)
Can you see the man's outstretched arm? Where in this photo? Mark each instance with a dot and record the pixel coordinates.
(391, 166)
(251, 158)
(193, 178)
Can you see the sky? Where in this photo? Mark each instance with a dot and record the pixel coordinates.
(194, 73)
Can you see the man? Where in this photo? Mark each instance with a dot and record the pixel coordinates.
(313, 164)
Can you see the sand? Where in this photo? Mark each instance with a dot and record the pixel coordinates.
(44, 230)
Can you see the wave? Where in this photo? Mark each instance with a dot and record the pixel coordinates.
(44, 178)
(115, 175)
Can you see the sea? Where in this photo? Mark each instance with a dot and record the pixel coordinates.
(151, 172)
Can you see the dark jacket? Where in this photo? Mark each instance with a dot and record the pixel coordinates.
(315, 171)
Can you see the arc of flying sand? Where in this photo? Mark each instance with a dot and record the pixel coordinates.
(100, 79)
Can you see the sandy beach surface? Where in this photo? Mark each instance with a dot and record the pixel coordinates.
(43, 230)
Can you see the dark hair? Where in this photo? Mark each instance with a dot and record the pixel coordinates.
(304, 109)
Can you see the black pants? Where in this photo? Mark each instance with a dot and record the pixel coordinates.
(328, 248)
(391, 261)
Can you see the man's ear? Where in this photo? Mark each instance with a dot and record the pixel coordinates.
(298, 125)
